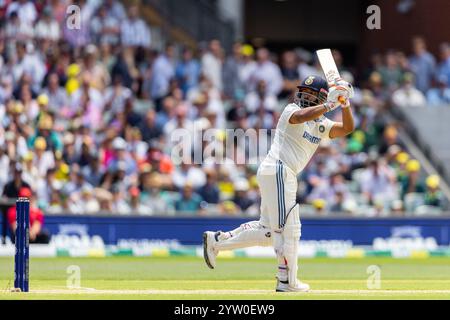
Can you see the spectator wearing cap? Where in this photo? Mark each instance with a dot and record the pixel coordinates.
(241, 197)
(433, 195)
(422, 64)
(86, 202)
(408, 96)
(188, 201)
(440, 95)
(37, 233)
(44, 159)
(412, 182)
(122, 159)
(247, 67)
(187, 172)
(45, 131)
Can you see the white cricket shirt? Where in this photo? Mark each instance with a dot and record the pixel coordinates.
(295, 144)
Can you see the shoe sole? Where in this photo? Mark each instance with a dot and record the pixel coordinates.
(278, 290)
(205, 250)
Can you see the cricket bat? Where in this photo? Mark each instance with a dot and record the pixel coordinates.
(329, 67)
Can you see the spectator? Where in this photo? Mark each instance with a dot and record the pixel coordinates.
(443, 69)
(408, 95)
(47, 28)
(105, 28)
(440, 95)
(210, 191)
(433, 195)
(267, 71)
(37, 233)
(12, 188)
(136, 206)
(378, 183)
(233, 86)
(290, 74)
(149, 128)
(189, 202)
(212, 63)
(57, 97)
(261, 99)
(241, 198)
(423, 64)
(134, 31)
(162, 72)
(412, 182)
(188, 71)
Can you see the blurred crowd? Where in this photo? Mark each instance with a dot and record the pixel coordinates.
(86, 117)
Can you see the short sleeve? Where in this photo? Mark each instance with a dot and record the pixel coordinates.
(289, 111)
(327, 125)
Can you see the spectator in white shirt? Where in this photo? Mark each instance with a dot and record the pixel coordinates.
(17, 30)
(268, 71)
(162, 72)
(25, 10)
(29, 63)
(378, 183)
(212, 62)
(47, 28)
(134, 31)
(260, 99)
(408, 95)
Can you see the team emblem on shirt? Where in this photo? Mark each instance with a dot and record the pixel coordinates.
(322, 128)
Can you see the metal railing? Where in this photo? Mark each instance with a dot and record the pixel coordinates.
(199, 18)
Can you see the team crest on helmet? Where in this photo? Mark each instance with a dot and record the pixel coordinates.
(309, 80)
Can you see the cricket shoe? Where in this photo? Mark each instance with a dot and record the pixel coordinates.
(209, 254)
(283, 286)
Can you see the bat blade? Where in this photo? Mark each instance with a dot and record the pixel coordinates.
(328, 65)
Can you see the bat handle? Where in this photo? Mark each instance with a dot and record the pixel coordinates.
(342, 100)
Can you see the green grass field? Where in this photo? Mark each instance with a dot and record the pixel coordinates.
(240, 278)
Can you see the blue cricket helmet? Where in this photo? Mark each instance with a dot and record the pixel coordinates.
(312, 91)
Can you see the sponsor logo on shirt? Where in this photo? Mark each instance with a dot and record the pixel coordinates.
(311, 138)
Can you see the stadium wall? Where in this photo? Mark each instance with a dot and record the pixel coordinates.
(188, 231)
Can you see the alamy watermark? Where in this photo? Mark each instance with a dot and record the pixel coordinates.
(244, 147)
(73, 17)
(74, 277)
(373, 22)
(374, 279)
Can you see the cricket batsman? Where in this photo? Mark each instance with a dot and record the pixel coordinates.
(300, 129)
